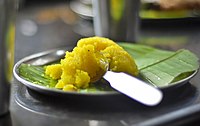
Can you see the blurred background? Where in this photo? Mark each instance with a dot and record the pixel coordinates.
(69, 20)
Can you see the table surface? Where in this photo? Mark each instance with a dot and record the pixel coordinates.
(36, 33)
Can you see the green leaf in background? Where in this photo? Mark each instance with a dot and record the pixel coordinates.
(154, 14)
(162, 67)
(165, 41)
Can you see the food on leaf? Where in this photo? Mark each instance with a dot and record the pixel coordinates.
(87, 63)
(81, 68)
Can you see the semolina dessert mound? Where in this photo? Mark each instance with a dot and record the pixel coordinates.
(87, 63)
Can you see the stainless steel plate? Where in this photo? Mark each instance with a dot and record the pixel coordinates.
(50, 56)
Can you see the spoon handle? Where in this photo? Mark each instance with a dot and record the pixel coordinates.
(134, 88)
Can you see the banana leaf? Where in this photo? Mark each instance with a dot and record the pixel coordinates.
(161, 67)
(145, 55)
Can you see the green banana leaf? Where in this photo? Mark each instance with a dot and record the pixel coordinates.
(161, 67)
(145, 55)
